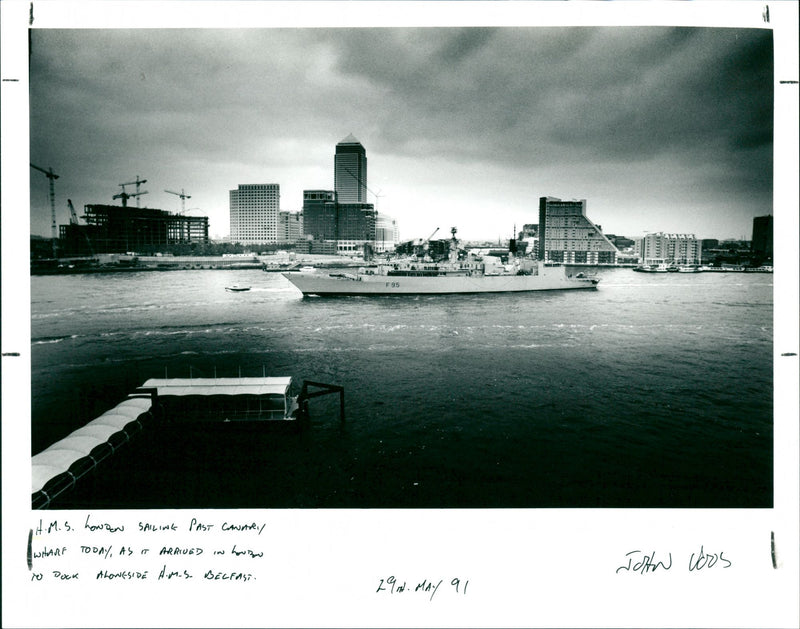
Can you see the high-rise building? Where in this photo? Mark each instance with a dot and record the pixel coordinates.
(567, 236)
(661, 248)
(762, 236)
(350, 171)
(341, 220)
(254, 213)
(355, 226)
(290, 227)
(344, 227)
(319, 214)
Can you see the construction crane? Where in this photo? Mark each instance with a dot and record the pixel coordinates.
(53, 232)
(377, 195)
(426, 242)
(125, 196)
(136, 183)
(73, 219)
(183, 197)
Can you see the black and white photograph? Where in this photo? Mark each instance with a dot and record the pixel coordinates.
(454, 272)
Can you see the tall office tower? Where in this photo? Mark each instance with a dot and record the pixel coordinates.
(350, 171)
(567, 236)
(661, 248)
(254, 213)
(762, 236)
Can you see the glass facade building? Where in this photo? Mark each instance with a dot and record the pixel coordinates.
(350, 171)
(319, 214)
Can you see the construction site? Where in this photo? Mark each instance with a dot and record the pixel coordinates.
(119, 229)
(114, 229)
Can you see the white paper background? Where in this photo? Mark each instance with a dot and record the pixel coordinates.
(322, 567)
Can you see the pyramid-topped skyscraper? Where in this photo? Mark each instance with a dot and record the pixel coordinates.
(350, 171)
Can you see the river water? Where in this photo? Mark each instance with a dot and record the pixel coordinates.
(653, 391)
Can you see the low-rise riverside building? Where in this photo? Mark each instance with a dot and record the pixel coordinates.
(661, 248)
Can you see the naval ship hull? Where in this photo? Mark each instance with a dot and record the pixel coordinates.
(363, 284)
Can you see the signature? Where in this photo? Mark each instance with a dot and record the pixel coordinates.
(643, 563)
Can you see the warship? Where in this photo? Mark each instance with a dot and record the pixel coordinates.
(456, 275)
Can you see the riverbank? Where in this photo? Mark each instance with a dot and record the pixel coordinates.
(118, 263)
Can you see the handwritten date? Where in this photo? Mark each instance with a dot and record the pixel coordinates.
(392, 585)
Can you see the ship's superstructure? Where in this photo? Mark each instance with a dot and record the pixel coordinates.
(469, 274)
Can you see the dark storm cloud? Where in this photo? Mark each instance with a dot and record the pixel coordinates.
(533, 94)
(615, 93)
(208, 107)
(460, 46)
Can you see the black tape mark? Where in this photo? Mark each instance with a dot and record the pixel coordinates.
(30, 19)
(765, 13)
(30, 550)
(772, 549)
(789, 354)
(10, 353)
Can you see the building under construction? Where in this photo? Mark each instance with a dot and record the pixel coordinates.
(115, 229)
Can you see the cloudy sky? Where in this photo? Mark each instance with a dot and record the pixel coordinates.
(660, 129)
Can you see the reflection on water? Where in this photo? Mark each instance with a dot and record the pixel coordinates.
(650, 391)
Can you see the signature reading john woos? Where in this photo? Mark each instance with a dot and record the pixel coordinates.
(637, 561)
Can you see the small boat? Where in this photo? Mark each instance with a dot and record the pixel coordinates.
(652, 268)
(235, 288)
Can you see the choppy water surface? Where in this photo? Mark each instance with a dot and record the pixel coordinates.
(654, 390)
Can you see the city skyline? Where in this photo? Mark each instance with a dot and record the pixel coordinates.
(658, 128)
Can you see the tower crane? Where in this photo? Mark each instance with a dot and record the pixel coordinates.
(136, 183)
(377, 195)
(125, 196)
(52, 177)
(183, 197)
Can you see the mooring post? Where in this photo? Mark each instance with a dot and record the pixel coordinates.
(326, 390)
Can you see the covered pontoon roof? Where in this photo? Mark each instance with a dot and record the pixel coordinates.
(63, 454)
(220, 386)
